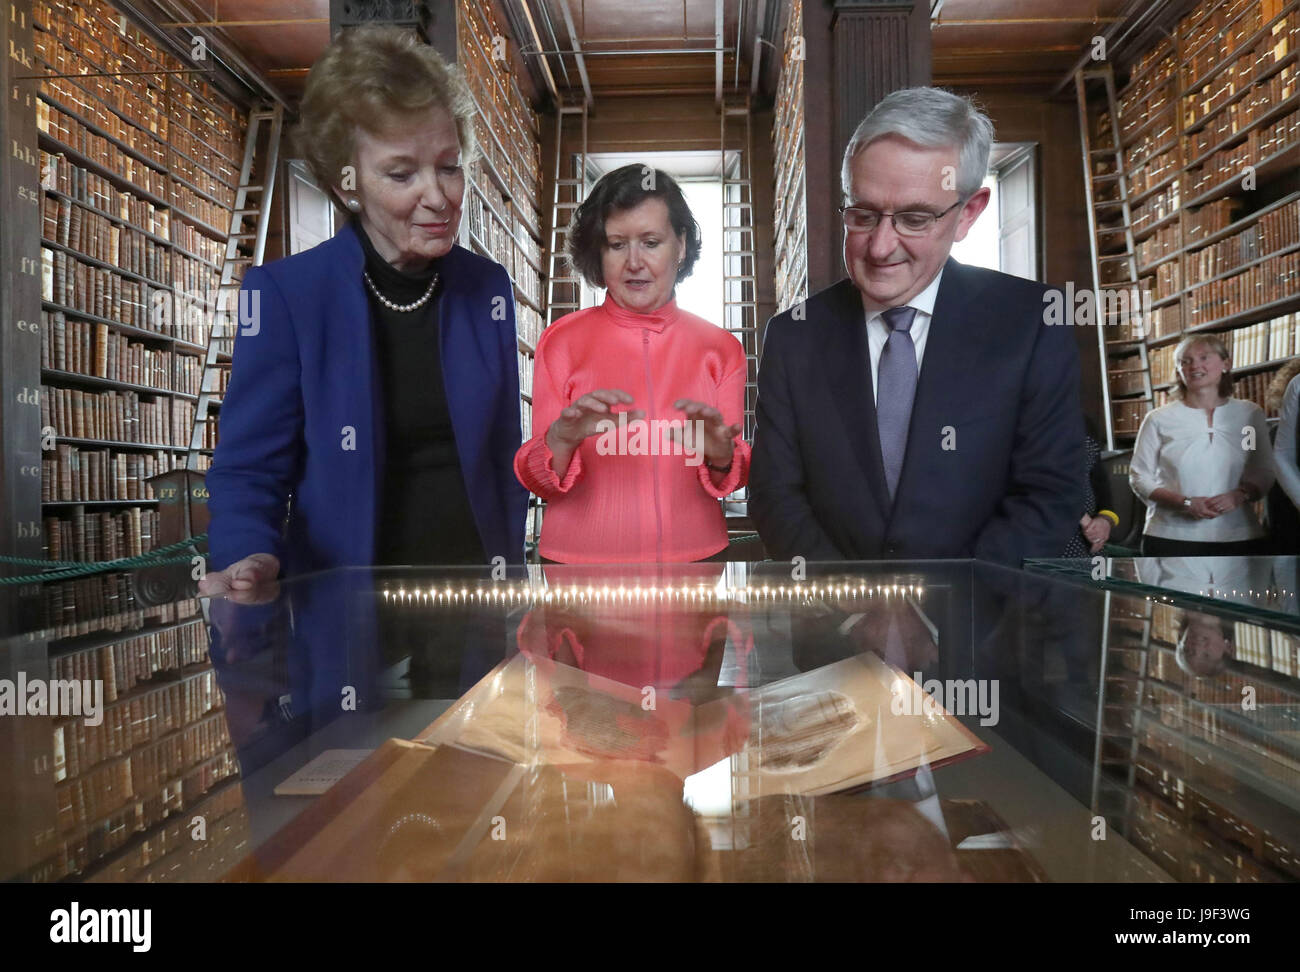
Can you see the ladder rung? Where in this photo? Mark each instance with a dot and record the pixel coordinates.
(570, 182)
(735, 205)
(256, 188)
(241, 236)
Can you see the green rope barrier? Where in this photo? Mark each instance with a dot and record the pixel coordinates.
(73, 568)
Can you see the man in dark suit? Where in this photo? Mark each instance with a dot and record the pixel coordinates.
(920, 408)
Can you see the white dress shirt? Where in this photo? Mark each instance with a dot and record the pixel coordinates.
(1178, 449)
(1288, 473)
(878, 330)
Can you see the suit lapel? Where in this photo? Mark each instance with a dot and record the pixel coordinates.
(847, 362)
(943, 374)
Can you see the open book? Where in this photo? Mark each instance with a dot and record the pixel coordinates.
(543, 772)
(837, 728)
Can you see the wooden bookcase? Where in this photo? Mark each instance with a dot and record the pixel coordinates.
(790, 199)
(129, 171)
(138, 172)
(1209, 126)
(502, 218)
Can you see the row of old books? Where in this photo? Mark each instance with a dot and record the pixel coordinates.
(72, 133)
(104, 603)
(156, 775)
(1152, 170)
(1178, 771)
(1240, 20)
(1176, 833)
(194, 146)
(78, 475)
(98, 238)
(1162, 242)
(213, 213)
(1268, 281)
(1243, 73)
(92, 190)
(118, 416)
(1263, 97)
(133, 722)
(99, 535)
(1210, 218)
(127, 60)
(194, 279)
(73, 97)
(171, 854)
(1234, 164)
(92, 348)
(1158, 206)
(118, 79)
(188, 238)
(1274, 230)
(93, 290)
(203, 180)
(134, 659)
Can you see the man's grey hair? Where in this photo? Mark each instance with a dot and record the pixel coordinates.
(932, 118)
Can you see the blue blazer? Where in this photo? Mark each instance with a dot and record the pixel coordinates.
(994, 466)
(303, 413)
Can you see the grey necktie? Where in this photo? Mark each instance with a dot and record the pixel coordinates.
(895, 389)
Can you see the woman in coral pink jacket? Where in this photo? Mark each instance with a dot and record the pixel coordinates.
(637, 404)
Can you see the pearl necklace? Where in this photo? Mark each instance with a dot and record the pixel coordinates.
(401, 308)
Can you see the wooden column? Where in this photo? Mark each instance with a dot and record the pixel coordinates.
(858, 52)
(20, 310)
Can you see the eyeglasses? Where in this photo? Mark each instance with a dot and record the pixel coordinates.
(916, 223)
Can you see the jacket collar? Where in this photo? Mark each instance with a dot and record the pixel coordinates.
(656, 320)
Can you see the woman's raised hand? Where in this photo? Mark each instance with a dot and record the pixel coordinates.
(582, 418)
(718, 435)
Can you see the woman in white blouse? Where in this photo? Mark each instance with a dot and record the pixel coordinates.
(1200, 461)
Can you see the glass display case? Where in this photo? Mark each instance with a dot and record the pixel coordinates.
(935, 721)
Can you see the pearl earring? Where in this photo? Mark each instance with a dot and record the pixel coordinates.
(353, 204)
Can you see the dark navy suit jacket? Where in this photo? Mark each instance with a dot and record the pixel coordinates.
(303, 414)
(994, 461)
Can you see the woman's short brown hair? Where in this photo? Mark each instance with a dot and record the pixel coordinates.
(367, 78)
(1215, 344)
(626, 188)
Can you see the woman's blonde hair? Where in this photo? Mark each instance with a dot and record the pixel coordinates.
(368, 78)
(1215, 344)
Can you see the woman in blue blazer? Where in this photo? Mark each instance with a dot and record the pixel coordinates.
(372, 412)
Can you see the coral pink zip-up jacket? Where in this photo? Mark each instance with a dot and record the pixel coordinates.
(633, 508)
